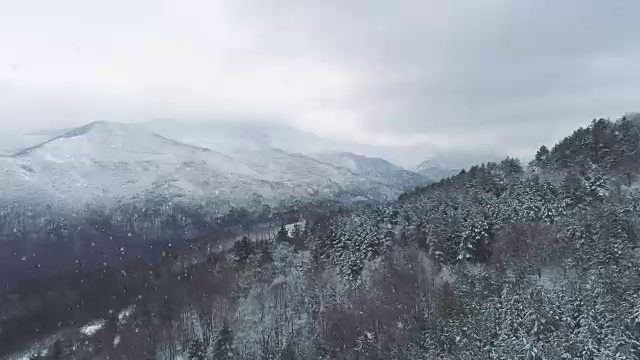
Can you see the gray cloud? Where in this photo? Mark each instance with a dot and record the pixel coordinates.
(520, 69)
(482, 76)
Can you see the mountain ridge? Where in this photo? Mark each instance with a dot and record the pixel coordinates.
(112, 162)
(435, 171)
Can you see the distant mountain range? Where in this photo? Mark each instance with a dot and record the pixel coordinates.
(227, 135)
(105, 164)
(374, 168)
(435, 171)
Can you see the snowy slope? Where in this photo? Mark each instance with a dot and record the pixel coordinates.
(107, 163)
(374, 168)
(13, 141)
(263, 138)
(435, 170)
(229, 136)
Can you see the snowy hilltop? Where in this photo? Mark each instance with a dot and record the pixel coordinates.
(106, 164)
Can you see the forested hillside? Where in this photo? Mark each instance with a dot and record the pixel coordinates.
(502, 261)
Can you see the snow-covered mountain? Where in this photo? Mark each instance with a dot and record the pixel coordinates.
(225, 136)
(12, 141)
(435, 170)
(374, 168)
(108, 163)
(244, 137)
(230, 136)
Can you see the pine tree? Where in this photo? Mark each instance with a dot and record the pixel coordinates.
(298, 235)
(223, 346)
(511, 166)
(197, 350)
(542, 156)
(366, 347)
(289, 352)
(632, 333)
(574, 191)
(243, 249)
(263, 249)
(475, 239)
(283, 234)
(628, 145)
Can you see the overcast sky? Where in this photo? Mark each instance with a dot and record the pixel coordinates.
(470, 75)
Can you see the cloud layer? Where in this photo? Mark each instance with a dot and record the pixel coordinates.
(470, 75)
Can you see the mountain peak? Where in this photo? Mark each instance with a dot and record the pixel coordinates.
(93, 128)
(357, 162)
(104, 135)
(435, 171)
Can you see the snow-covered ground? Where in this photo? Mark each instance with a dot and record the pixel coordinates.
(42, 347)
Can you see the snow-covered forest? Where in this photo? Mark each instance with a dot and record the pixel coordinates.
(501, 261)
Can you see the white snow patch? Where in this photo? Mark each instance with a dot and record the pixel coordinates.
(30, 354)
(116, 341)
(290, 227)
(92, 328)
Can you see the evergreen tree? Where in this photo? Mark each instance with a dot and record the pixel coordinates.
(288, 352)
(223, 345)
(574, 191)
(197, 350)
(263, 249)
(283, 234)
(542, 155)
(243, 249)
(511, 166)
(298, 236)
